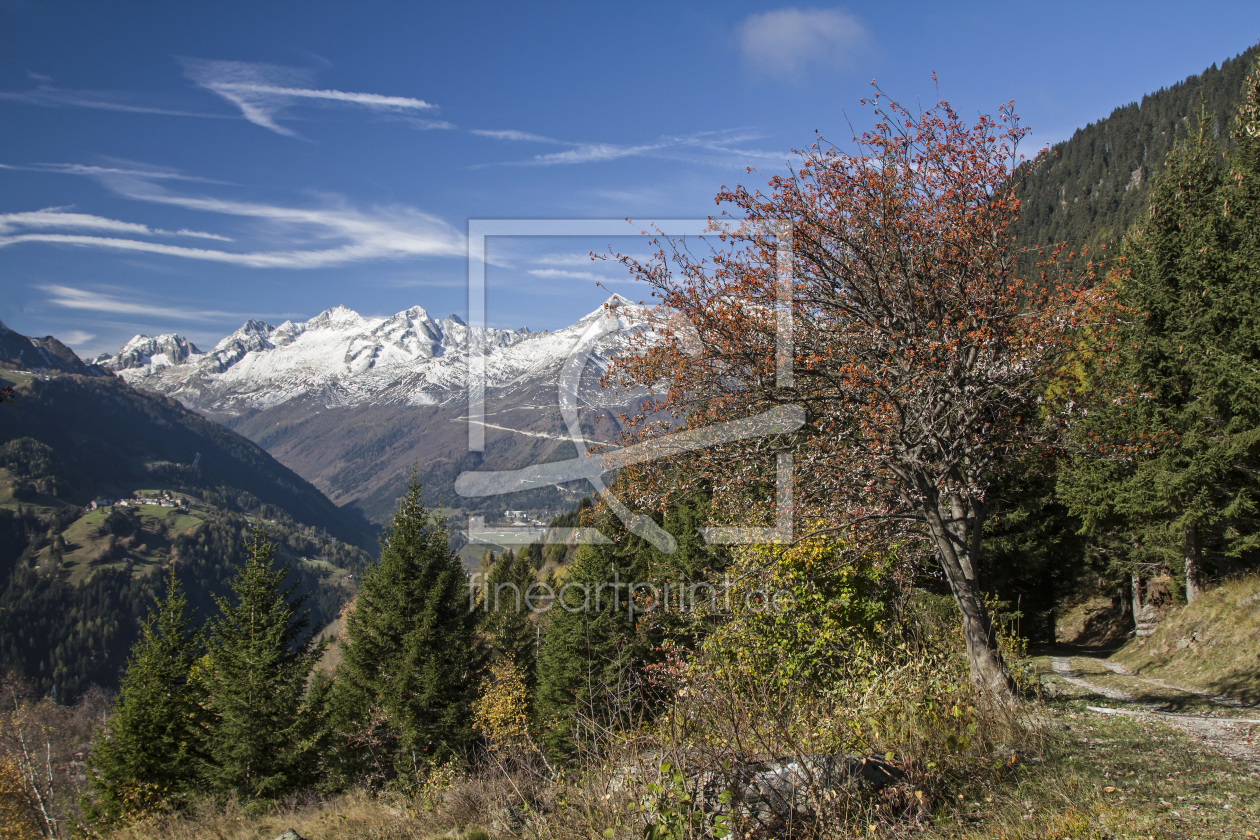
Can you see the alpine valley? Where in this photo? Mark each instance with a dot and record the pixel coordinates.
(355, 405)
(114, 470)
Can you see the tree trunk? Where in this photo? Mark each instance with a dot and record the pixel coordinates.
(1136, 583)
(1193, 570)
(957, 541)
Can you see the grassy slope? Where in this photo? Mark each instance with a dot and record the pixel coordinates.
(1085, 776)
(85, 541)
(118, 438)
(1211, 645)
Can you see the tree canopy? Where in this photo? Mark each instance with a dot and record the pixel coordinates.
(919, 355)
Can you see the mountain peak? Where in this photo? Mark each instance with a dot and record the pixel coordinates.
(253, 327)
(337, 316)
(47, 353)
(341, 358)
(624, 306)
(149, 353)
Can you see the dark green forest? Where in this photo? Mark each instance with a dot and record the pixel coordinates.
(1095, 186)
(76, 587)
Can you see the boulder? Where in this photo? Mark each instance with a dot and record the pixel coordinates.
(776, 795)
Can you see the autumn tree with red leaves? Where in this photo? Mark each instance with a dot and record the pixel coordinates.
(920, 358)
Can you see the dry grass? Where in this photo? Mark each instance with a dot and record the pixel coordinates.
(1076, 774)
(1104, 776)
(1097, 777)
(358, 815)
(1211, 645)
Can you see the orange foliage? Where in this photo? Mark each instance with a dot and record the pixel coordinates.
(920, 357)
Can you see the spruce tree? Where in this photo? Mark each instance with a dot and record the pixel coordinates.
(588, 664)
(148, 755)
(261, 735)
(411, 660)
(1186, 412)
(505, 615)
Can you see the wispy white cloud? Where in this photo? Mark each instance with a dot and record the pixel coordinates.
(592, 152)
(513, 134)
(39, 77)
(337, 234)
(48, 96)
(77, 337)
(574, 275)
(201, 235)
(564, 259)
(68, 297)
(55, 218)
(718, 147)
(140, 171)
(784, 42)
(263, 92)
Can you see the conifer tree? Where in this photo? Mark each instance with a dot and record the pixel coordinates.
(505, 615)
(1184, 417)
(261, 735)
(149, 753)
(588, 664)
(411, 661)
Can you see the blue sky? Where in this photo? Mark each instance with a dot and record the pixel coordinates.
(182, 167)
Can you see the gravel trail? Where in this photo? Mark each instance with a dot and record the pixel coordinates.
(1238, 738)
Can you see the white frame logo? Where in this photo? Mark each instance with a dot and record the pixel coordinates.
(594, 466)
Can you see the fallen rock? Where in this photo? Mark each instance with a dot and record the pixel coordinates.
(290, 835)
(779, 794)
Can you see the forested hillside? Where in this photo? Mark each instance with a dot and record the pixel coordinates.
(1096, 185)
(108, 435)
(75, 583)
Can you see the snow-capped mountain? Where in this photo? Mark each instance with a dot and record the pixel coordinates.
(346, 360)
(353, 403)
(149, 353)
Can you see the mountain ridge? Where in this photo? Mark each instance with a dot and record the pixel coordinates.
(355, 404)
(42, 354)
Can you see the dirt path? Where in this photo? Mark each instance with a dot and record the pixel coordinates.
(1216, 699)
(1237, 737)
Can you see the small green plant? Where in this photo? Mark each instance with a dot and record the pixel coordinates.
(674, 813)
(1014, 647)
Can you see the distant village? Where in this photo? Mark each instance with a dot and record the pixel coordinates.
(163, 499)
(526, 517)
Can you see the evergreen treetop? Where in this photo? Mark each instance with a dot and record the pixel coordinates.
(150, 751)
(1183, 416)
(411, 661)
(505, 613)
(588, 664)
(261, 734)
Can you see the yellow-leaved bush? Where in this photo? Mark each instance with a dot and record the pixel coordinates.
(822, 652)
(501, 712)
(18, 819)
(804, 612)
